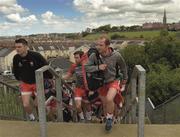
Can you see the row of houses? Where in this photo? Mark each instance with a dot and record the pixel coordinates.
(159, 25)
(55, 50)
(47, 51)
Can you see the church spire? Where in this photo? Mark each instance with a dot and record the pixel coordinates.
(164, 18)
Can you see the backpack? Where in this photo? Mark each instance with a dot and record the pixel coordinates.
(95, 80)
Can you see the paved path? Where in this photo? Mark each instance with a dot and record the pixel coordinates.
(31, 129)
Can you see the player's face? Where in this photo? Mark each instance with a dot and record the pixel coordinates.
(101, 46)
(77, 58)
(20, 49)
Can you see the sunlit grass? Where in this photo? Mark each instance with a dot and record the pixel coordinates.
(130, 35)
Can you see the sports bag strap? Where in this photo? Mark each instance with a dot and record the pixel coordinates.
(99, 61)
(84, 77)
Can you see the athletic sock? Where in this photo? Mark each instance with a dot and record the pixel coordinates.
(81, 115)
(31, 116)
(88, 115)
(109, 115)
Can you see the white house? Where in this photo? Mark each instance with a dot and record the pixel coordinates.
(84, 48)
(6, 58)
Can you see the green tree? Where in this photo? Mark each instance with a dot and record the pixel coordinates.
(163, 48)
(164, 33)
(84, 33)
(105, 28)
(158, 80)
(134, 55)
(116, 36)
(115, 29)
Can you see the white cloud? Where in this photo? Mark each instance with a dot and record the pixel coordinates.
(129, 12)
(15, 18)
(10, 6)
(94, 14)
(18, 19)
(50, 19)
(54, 23)
(8, 29)
(4, 26)
(7, 2)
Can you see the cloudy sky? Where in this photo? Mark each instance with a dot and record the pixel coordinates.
(23, 17)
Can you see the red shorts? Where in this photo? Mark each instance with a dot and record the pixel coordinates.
(118, 99)
(103, 90)
(27, 89)
(52, 104)
(80, 93)
(115, 84)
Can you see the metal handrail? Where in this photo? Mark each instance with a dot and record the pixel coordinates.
(12, 87)
(10, 103)
(41, 97)
(135, 99)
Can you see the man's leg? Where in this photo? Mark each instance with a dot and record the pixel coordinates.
(87, 109)
(110, 107)
(78, 93)
(36, 104)
(78, 103)
(27, 106)
(103, 99)
(110, 100)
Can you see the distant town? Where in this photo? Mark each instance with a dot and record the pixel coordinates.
(53, 45)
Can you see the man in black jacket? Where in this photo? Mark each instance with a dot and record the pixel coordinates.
(25, 63)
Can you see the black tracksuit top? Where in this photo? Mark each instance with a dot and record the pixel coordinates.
(24, 67)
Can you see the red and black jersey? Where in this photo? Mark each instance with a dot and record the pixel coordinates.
(24, 67)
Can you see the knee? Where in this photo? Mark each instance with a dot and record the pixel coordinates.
(109, 99)
(78, 105)
(26, 104)
(88, 107)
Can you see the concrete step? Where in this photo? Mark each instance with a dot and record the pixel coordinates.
(31, 129)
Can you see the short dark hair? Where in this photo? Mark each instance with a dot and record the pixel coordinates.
(21, 40)
(107, 40)
(79, 52)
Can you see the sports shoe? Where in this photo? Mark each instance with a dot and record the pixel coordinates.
(108, 125)
(82, 121)
(88, 121)
(102, 120)
(32, 119)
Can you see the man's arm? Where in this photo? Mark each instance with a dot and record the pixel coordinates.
(123, 67)
(15, 68)
(70, 72)
(67, 76)
(42, 62)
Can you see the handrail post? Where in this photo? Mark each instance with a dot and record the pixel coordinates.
(133, 96)
(41, 97)
(136, 99)
(141, 102)
(59, 96)
(41, 103)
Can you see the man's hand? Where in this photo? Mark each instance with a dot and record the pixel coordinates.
(123, 85)
(66, 76)
(102, 66)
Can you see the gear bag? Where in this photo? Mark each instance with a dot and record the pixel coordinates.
(95, 80)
